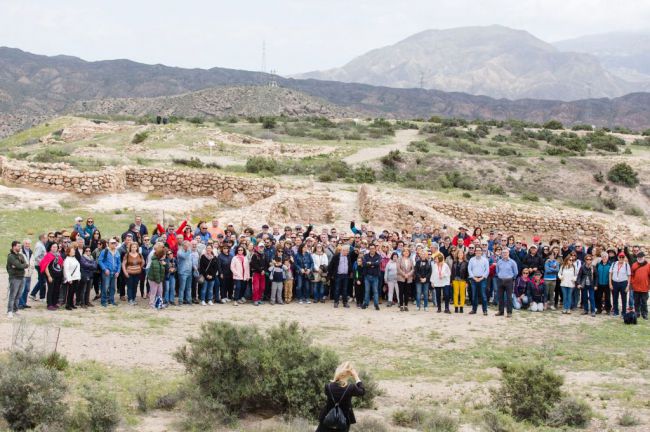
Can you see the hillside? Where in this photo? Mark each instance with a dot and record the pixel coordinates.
(35, 87)
(219, 102)
(625, 54)
(494, 61)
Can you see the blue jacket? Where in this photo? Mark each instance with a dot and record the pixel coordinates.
(371, 264)
(110, 262)
(184, 260)
(551, 269)
(303, 261)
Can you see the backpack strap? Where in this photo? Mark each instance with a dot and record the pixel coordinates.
(332, 395)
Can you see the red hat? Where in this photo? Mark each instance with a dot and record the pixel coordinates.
(536, 239)
(621, 254)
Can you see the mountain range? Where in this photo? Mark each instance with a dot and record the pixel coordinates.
(34, 87)
(495, 61)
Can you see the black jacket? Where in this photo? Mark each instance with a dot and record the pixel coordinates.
(209, 266)
(459, 270)
(332, 268)
(258, 263)
(536, 261)
(224, 266)
(342, 395)
(422, 270)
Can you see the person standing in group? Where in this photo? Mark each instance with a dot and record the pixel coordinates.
(478, 270)
(225, 274)
(640, 281)
(602, 292)
(110, 264)
(258, 267)
(304, 265)
(277, 272)
(39, 253)
(185, 272)
(88, 267)
(421, 275)
(619, 281)
(568, 276)
(209, 271)
(71, 279)
(405, 273)
(506, 272)
(551, 269)
(586, 280)
(441, 282)
(52, 266)
(319, 258)
(240, 274)
(339, 392)
(340, 270)
(459, 277)
(390, 276)
(16, 266)
(132, 267)
(156, 274)
(27, 252)
(371, 263)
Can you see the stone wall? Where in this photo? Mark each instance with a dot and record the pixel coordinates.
(196, 183)
(391, 211)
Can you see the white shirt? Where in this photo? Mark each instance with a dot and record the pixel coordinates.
(440, 276)
(620, 272)
(71, 269)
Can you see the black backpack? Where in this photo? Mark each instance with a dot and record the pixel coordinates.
(335, 419)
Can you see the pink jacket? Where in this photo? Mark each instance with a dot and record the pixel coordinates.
(239, 273)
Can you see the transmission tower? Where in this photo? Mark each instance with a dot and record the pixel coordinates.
(272, 81)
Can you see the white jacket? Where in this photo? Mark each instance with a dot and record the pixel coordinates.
(440, 277)
(71, 269)
(319, 260)
(568, 276)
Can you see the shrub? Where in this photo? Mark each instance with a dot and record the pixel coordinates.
(599, 177)
(31, 393)
(256, 164)
(269, 122)
(506, 151)
(51, 154)
(553, 125)
(623, 174)
(440, 421)
(408, 418)
(582, 127)
(192, 162)
(245, 371)
(498, 422)
(571, 412)
(364, 174)
(99, 412)
(140, 137)
(421, 146)
(392, 158)
(326, 177)
(634, 211)
(528, 392)
(195, 120)
(372, 391)
(628, 418)
(609, 203)
(529, 196)
(369, 424)
(457, 180)
(493, 189)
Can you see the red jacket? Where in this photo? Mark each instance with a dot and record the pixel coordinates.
(172, 240)
(466, 241)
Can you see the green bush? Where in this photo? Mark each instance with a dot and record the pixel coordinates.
(421, 146)
(628, 418)
(529, 196)
(31, 393)
(623, 174)
(192, 162)
(369, 424)
(634, 211)
(269, 122)
(455, 179)
(364, 174)
(140, 137)
(392, 158)
(440, 421)
(528, 392)
(506, 151)
(256, 164)
(51, 154)
(372, 391)
(411, 418)
(195, 120)
(493, 189)
(571, 412)
(599, 177)
(494, 421)
(609, 203)
(98, 412)
(246, 371)
(553, 125)
(582, 127)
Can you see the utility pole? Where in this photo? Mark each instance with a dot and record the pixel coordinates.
(263, 56)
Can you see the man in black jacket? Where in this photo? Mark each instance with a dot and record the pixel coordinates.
(339, 271)
(16, 265)
(533, 261)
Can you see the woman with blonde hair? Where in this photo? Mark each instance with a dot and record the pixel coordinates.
(459, 277)
(405, 272)
(339, 392)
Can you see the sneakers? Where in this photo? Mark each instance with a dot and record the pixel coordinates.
(336, 304)
(401, 308)
(308, 302)
(376, 307)
(235, 303)
(426, 309)
(10, 315)
(418, 309)
(300, 302)
(33, 297)
(210, 303)
(203, 303)
(224, 300)
(347, 306)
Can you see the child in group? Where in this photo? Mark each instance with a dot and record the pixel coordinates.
(288, 281)
(537, 292)
(277, 271)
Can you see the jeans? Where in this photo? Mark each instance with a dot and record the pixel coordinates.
(108, 289)
(216, 290)
(170, 288)
(132, 286)
(618, 288)
(505, 286)
(185, 288)
(303, 287)
(15, 289)
(23, 297)
(318, 290)
(87, 284)
(588, 298)
(422, 290)
(567, 296)
(480, 287)
(516, 304)
(240, 286)
(206, 290)
(372, 283)
(340, 288)
(603, 298)
(40, 286)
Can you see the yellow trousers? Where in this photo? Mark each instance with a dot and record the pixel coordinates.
(460, 287)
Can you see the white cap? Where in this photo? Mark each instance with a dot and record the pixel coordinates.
(78, 219)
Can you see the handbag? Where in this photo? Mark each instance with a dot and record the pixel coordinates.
(335, 419)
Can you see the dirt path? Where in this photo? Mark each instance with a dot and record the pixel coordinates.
(402, 139)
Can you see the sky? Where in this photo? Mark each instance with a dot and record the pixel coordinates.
(299, 35)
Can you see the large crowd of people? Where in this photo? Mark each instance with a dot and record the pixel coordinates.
(204, 264)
